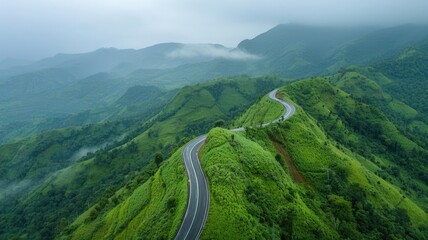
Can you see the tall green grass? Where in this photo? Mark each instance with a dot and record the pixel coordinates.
(154, 210)
(251, 196)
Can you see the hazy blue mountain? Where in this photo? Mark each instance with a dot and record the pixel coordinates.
(55, 93)
(193, 73)
(286, 38)
(380, 44)
(119, 60)
(29, 84)
(86, 64)
(287, 49)
(298, 51)
(167, 55)
(137, 102)
(73, 83)
(12, 62)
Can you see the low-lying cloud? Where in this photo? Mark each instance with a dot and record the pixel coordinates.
(85, 150)
(211, 51)
(11, 189)
(42, 28)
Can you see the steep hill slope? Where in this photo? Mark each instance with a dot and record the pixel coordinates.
(326, 182)
(352, 162)
(408, 71)
(137, 102)
(392, 153)
(152, 211)
(297, 179)
(372, 87)
(99, 78)
(252, 196)
(380, 45)
(298, 51)
(74, 188)
(26, 163)
(408, 164)
(71, 83)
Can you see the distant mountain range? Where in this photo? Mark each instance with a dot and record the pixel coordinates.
(91, 144)
(71, 83)
(125, 61)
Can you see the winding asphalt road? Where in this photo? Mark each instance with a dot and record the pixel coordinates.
(199, 194)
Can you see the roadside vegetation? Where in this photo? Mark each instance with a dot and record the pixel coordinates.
(263, 111)
(343, 186)
(150, 209)
(77, 186)
(350, 164)
(252, 196)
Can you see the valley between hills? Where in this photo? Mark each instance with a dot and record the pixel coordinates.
(103, 145)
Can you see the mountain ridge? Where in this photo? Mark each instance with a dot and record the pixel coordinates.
(350, 164)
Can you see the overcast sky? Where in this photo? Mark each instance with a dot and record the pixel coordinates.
(34, 29)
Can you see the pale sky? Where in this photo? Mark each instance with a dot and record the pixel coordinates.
(33, 29)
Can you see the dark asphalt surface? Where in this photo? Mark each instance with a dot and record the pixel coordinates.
(199, 194)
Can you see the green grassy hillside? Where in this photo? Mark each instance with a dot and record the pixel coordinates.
(154, 210)
(24, 163)
(138, 103)
(371, 87)
(408, 71)
(366, 130)
(263, 111)
(409, 122)
(350, 164)
(333, 185)
(195, 109)
(339, 168)
(297, 179)
(190, 113)
(251, 194)
(83, 184)
(37, 190)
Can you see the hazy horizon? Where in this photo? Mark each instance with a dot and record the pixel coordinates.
(43, 28)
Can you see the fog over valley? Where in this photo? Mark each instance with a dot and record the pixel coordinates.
(184, 120)
(38, 29)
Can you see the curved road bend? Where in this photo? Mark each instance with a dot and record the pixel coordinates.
(199, 194)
